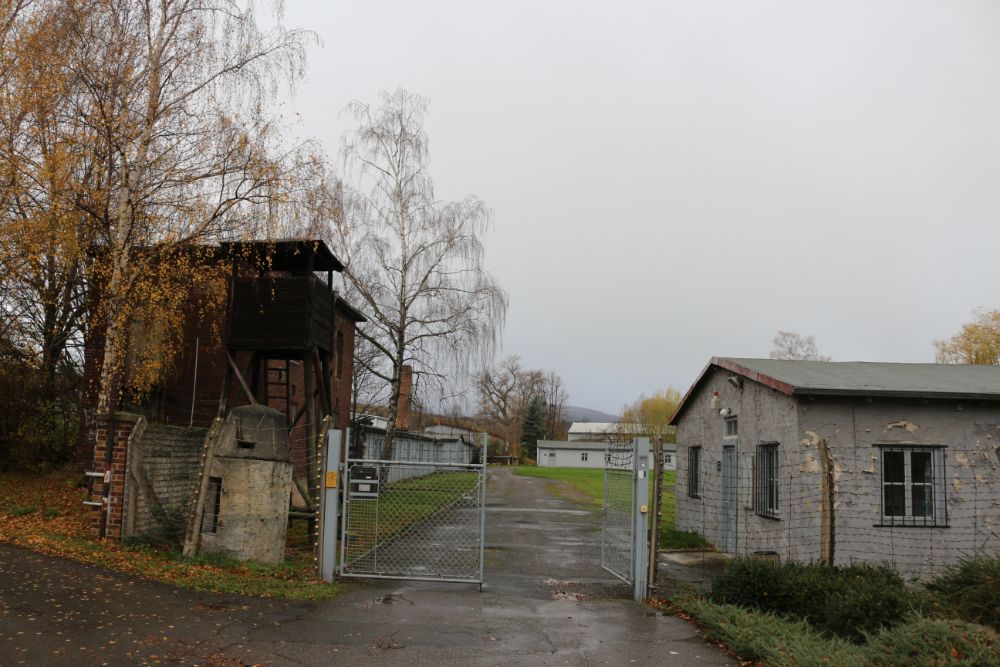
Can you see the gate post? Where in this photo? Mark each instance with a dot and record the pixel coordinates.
(640, 519)
(329, 504)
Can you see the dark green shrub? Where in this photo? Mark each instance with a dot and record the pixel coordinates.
(925, 641)
(847, 602)
(770, 639)
(754, 583)
(969, 590)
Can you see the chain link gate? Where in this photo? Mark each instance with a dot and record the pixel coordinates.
(413, 520)
(624, 524)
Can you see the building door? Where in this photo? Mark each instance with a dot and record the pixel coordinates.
(729, 514)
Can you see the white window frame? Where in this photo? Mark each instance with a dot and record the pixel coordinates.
(583, 456)
(936, 486)
(726, 435)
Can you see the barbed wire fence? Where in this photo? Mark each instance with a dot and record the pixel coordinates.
(916, 508)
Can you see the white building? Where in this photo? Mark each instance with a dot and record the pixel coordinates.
(605, 432)
(563, 454)
(592, 431)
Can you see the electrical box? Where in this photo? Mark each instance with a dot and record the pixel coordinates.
(364, 482)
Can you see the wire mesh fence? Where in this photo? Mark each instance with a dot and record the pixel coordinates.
(915, 507)
(413, 520)
(617, 540)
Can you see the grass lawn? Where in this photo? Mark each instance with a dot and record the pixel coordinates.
(401, 505)
(44, 512)
(590, 482)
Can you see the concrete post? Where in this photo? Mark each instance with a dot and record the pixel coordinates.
(640, 518)
(329, 506)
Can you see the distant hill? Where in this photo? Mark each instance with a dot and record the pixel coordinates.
(572, 413)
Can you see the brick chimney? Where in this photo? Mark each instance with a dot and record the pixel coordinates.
(405, 398)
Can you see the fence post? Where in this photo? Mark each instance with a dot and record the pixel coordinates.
(329, 504)
(654, 509)
(640, 519)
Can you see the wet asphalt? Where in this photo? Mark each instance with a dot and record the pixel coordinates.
(546, 601)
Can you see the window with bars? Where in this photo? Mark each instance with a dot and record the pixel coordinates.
(694, 472)
(730, 428)
(765, 481)
(912, 486)
(213, 503)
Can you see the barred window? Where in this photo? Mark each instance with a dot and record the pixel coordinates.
(694, 472)
(731, 428)
(210, 515)
(913, 486)
(765, 481)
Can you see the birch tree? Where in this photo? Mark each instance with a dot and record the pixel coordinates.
(790, 345)
(414, 263)
(173, 95)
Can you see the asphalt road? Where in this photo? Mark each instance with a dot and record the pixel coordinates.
(546, 602)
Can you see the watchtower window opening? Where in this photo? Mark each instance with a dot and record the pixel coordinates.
(210, 518)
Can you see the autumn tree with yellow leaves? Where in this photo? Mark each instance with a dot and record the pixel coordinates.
(977, 343)
(133, 136)
(649, 416)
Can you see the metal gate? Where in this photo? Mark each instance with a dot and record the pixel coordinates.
(413, 520)
(624, 526)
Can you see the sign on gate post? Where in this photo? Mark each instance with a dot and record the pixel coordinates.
(329, 506)
(640, 517)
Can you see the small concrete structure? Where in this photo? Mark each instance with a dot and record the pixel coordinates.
(842, 461)
(245, 511)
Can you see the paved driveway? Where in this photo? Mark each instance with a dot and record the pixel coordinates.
(546, 602)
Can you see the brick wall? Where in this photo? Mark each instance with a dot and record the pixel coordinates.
(108, 520)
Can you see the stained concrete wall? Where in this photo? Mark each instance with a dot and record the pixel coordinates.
(252, 459)
(764, 416)
(853, 430)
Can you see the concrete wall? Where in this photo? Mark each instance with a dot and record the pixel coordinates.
(854, 428)
(764, 415)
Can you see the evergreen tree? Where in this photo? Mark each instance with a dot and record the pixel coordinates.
(533, 428)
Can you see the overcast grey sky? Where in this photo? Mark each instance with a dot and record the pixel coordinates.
(677, 180)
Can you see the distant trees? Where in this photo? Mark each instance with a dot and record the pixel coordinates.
(790, 345)
(414, 264)
(505, 391)
(649, 416)
(978, 342)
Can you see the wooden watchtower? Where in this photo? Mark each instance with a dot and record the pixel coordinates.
(289, 341)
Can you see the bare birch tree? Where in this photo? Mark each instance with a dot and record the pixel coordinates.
(790, 345)
(415, 264)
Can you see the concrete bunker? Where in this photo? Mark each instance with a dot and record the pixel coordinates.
(247, 484)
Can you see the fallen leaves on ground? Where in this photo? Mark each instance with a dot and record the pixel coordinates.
(45, 512)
